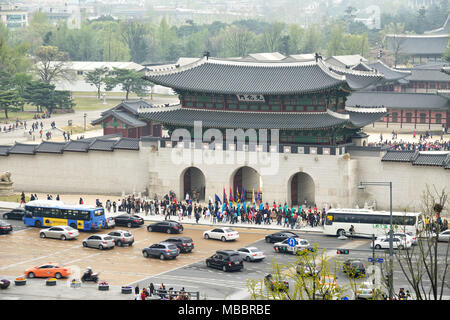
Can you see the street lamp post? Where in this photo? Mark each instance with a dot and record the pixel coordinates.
(362, 185)
(85, 115)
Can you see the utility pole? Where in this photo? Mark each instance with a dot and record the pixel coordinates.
(390, 275)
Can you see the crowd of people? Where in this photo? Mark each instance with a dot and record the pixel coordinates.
(424, 142)
(247, 212)
(162, 293)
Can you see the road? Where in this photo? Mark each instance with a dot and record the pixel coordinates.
(126, 265)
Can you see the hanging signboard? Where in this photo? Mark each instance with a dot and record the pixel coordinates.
(251, 97)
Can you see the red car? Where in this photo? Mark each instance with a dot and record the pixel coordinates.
(5, 227)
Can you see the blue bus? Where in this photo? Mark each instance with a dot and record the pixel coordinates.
(49, 213)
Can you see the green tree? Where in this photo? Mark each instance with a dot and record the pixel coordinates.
(129, 81)
(133, 36)
(97, 78)
(9, 101)
(272, 37)
(39, 93)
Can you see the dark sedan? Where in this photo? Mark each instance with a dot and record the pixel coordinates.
(185, 244)
(5, 227)
(354, 268)
(167, 226)
(16, 214)
(129, 220)
(280, 236)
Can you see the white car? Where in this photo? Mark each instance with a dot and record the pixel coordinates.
(224, 234)
(251, 254)
(444, 236)
(397, 243)
(366, 290)
(405, 236)
(59, 232)
(301, 245)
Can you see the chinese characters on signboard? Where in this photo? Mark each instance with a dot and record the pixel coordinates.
(251, 97)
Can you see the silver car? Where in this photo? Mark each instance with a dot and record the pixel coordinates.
(444, 235)
(122, 237)
(99, 241)
(59, 232)
(251, 254)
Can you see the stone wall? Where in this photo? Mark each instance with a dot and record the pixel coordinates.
(158, 170)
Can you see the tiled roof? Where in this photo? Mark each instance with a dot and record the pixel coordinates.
(346, 60)
(445, 29)
(127, 144)
(397, 100)
(102, 145)
(418, 44)
(22, 148)
(4, 150)
(418, 74)
(77, 146)
(430, 159)
(398, 156)
(389, 73)
(357, 79)
(51, 147)
(125, 117)
(233, 77)
(258, 120)
(419, 158)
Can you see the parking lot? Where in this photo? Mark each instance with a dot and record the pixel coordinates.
(118, 266)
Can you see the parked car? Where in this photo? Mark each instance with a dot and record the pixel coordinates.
(227, 260)
(308, 269)
(302, 246)
(223, 234)
(185, 244)
(276, 285)
(59, 232)
(48, 270)
(16, 214)
(167, 226)
(444, 236)
(397, 243)
(122, 237)
(280, 236)
(128, 220)
(163, 250)
(109, 223)
(5, 227)
(99, 241)
(251, 254)
(354, 268)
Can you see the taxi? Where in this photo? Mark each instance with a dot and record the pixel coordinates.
(47, 270)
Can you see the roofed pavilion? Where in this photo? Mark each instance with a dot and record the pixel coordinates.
(304, 100)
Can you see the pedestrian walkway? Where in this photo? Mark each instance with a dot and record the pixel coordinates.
(188, 221)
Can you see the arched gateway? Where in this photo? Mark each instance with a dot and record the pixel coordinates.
(248, 179)
(193, 183)
(301, 188)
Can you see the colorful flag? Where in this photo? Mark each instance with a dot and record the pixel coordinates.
(243, 195)
(225, 200)
(253, 195)
(237, 195)
(217, 198)
(231, 195)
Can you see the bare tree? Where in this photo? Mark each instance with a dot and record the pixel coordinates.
(52, 64)
(423, 263)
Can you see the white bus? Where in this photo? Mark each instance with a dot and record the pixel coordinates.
(368, 222)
